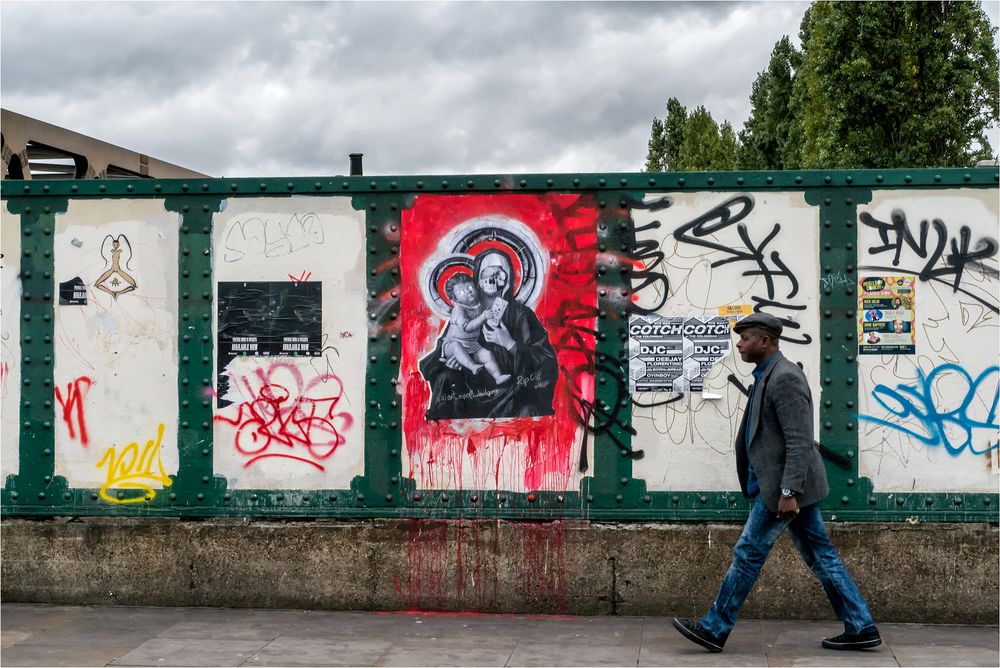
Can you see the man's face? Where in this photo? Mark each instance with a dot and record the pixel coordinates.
(753, 346)
(897, 326)
(492, 280)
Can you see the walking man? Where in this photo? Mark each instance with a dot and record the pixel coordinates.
(781, 471)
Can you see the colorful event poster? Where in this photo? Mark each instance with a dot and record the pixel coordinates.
(673, 353)
(499, 300)
(886, 307)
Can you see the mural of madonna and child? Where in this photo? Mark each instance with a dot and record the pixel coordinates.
(493, 358)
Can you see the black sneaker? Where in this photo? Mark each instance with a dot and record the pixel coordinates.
(693, 631)
(864, 640)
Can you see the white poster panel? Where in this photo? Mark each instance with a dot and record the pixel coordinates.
(724, 254)
(10, 341)
(116, 346)
(929, 420)
(290, 290)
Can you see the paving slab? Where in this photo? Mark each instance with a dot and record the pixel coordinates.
(235, 629)
(285, 651)
(347, 625)
(131, 636)
(944, 655)
(59, 655)
(778, 636)
(416, 652)
(876, 657)
(537, 654)
(985, 637)
(8, 638)
(693, 655)
(584, 631)
(190, 652)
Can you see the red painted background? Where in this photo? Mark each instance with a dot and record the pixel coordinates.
(514, 453)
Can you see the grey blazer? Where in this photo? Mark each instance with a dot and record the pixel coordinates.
(782, 448)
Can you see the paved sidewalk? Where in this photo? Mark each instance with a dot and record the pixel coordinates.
(47, 635)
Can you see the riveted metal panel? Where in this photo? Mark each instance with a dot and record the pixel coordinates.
(658, 456)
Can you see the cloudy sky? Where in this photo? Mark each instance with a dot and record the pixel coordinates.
(289, 88)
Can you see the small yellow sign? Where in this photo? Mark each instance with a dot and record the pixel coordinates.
(735, 312)
(735, 309)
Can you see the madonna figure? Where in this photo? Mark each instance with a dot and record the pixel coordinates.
(521, 372)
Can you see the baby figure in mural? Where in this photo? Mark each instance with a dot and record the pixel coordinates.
(462, 338)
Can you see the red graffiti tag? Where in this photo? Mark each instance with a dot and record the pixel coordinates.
(72, 406)
(288, 418)
(302, 278)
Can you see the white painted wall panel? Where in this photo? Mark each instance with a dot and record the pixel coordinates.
(10, 341)
(295, 422)
(929, 419)
(688, 443)
(116, 357)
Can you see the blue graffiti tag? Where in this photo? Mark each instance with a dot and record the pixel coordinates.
(916, 401)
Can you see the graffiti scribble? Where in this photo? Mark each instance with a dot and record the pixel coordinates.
(699, 231)
(907, 404)
(132, 469)
(835, 280)
(272, 238)
(897, 235)
(72, 407)
(284, 419)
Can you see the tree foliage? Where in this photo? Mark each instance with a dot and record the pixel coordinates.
(875, 84)
(765, 137)
(895, 84)
(690, 142)
(666, 138)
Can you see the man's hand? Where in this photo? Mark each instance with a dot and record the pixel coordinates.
(788, 507)
(499, 335)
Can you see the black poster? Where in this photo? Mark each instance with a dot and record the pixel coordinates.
(268, 319)
(73, 293)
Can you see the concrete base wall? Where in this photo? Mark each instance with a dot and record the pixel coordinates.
(940, 573)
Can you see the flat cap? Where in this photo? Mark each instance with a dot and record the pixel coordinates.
(764, 321)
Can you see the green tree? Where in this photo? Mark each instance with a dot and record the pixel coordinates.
(655, 159)
(764, 139)
(901, 84)
(728, 148)
(701, 149)
(666, 138)
(876, 84)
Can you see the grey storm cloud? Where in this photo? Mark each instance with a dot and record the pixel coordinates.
(256, 88)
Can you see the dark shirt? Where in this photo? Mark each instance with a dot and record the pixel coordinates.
(753, 487)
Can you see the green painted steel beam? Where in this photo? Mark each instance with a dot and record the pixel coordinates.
(608, 492)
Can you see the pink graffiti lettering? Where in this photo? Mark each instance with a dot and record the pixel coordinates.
(283, 419)
(72, 407)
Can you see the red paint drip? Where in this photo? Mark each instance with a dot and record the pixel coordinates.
(531, 553)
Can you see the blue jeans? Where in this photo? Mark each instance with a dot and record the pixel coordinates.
(809, 535)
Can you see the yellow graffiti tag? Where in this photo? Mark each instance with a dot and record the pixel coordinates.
(132, 470)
